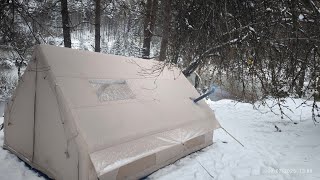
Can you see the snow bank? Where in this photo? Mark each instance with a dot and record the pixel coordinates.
(293, 153)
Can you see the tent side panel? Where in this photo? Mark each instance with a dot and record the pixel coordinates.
(168, 156)
(19, 116)
(147, 164)
(53, 151)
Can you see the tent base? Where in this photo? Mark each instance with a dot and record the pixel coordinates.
(150, 163)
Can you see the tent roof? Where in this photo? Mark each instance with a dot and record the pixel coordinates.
(141, 103)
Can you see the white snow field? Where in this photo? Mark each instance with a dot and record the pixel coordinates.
(293, 153)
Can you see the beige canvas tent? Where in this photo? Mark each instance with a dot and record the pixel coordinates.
(83, 115)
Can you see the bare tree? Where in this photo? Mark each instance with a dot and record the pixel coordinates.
(166, 30)
(97, 26)
(65, 23)
(151, 8)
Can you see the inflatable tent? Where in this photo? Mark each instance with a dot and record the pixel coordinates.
(79, 115)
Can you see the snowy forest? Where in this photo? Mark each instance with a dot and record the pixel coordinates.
(254, 49)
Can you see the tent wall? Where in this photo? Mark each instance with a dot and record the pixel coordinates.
(149, 163)
(53, 151)
(48, 149)
(19, 116)
(85, 169)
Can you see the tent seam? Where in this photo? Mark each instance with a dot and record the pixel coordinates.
(34, 110)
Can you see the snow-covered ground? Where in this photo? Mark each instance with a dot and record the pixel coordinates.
(293, 153)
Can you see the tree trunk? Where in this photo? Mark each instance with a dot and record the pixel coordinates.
(97, 26)
(196, 81)
(294, 35)
(301, 79)
(317, 98)
(166, 30)
(154, 10)
(147, 30)
(65, 24)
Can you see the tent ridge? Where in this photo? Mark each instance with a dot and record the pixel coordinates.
(34, 109)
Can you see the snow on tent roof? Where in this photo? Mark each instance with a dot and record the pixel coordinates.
(85, 115)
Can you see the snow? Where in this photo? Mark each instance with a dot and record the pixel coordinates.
(293, 153)
(301, 17)
(252, 29)
(187, 23)
(233, 40)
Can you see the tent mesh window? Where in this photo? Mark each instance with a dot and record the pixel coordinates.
(112, 90)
